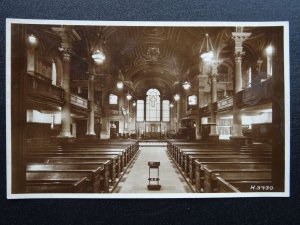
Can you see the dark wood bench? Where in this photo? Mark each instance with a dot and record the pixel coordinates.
(190, 162)
(93, 177)
(229, 165)
(210, 175)
(102, 178)
(57, 186)
(75, 160)
(119, 158)
(115, 158)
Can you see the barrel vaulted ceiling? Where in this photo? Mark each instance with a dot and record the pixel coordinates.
(157, 56)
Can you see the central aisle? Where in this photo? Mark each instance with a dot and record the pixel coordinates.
(135, 180)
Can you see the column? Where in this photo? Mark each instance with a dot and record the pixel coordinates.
(66, 109)
(91, 107)
(66, 46)
(214, 72)
(105, 128)
(239, 38)
(213, 128)
(183, 105)
(201, 88)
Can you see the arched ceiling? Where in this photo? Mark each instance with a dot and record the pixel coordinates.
(149, 55)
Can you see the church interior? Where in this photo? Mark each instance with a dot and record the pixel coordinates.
(147, 109)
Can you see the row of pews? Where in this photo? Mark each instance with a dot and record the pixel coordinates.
(221, 167)
(80, 166)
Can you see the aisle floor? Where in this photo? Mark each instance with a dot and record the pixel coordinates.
(135, 180)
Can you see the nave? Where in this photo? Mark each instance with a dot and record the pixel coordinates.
(88, 101)
(135, 179)
(122, 166)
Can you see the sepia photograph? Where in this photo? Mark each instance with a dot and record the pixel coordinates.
(99, 109)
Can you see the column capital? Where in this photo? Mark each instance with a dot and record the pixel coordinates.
(238, 55)
(239, 38)
(66, 52)
(213, 76)
(215, 63)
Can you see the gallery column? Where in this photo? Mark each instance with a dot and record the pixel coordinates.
(66, 46)
(66, 109)
(214, 73)
(239, 38)
(91, 107)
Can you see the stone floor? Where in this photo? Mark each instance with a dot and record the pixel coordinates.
(135, 180)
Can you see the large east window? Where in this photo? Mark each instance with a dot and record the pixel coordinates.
(153, 105)
(156, 109)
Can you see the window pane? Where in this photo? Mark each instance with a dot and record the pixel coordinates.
(113, 99)
(192, 100)
(140, 110)
(153, 105)
(166, 110)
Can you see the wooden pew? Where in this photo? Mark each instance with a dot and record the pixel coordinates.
(119, 159)
(189, 165)
(210, 175)
(101, 177)
(231, 165)
(80, 160)
(57, 186)
(105, 163)
(93, 177)
(183, 152)
(199, 172)
(115, 158)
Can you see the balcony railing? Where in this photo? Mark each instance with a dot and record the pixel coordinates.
(79, 101)
(224, 78)
(259, 92)
(43, 88)
(225, 103)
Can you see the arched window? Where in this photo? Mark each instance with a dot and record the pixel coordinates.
(113, 99)
(153, 105)
(249, 76)
(192, 100)
(54, 73)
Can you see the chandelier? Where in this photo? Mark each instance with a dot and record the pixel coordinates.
(98, 56)
(186, 85)
(206, 50)
(176, 97)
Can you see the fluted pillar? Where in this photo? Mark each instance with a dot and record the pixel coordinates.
(239, 38)
(213, 128)
(91, 107)
(66, 109)
(66, 46)
(215, 63)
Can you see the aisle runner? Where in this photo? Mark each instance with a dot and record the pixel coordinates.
(136, 178)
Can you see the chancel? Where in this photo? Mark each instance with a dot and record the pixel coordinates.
(91, 105)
